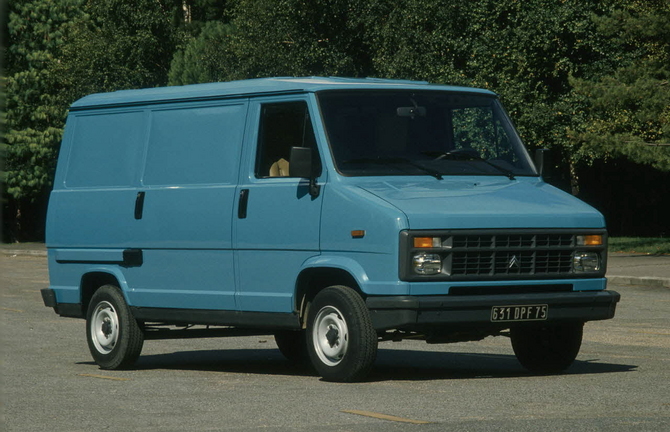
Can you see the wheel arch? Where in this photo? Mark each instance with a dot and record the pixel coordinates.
(96, 278)
(321, 274)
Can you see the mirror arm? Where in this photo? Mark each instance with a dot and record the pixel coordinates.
(314, 188)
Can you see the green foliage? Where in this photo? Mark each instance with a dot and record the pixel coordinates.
(201, 59)
(589, 78)
(628, 110)
(646, 245)
(33, 116)
(297, 38)
(525, 51)
(118, 44)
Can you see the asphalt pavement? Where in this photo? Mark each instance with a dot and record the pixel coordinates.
(49, 383)
(622, 268)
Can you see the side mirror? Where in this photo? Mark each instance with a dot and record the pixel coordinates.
(302, 165)
(543, 162)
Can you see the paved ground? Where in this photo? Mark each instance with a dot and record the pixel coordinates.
(49, 383)
(639, 269)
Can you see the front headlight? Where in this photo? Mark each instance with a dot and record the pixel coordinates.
(426, 263)
(583, 262)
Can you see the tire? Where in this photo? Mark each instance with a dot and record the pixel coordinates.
(114, 337)
(341, 341)
(293, 346)
(547, 349)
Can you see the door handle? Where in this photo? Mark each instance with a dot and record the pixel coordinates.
(244, 200)
(139, 205)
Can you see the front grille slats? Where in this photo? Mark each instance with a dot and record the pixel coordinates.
(510, 254)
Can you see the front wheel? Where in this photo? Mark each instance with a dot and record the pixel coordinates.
(341, 341)
(547, 348)
(114, 337)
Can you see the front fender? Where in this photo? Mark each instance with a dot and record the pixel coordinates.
(354, 267)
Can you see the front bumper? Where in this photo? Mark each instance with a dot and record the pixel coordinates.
(474, 311)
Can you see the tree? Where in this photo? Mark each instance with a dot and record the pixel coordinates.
(628, 111)
(33, 120)
(118, 44)
(58, 52)
(201, 59)
(524, 51)
(297, 38)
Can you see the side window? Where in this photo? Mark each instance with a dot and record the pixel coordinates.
(282, 126)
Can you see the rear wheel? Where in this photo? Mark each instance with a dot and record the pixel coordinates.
(114, 337)
(341, 341)
(547, 348)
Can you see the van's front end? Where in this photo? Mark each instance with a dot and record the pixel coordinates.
(466, 240)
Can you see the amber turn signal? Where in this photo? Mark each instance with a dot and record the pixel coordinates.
(426, 242)
(358, 233)
(589, 240)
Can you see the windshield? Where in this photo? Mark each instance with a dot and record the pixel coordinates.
(421, 133)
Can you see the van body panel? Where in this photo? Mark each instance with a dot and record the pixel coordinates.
(183, 278)
(114, 256)
(348, 208)
(106, 149)
(279, 228)
(93, 218)
(278, 86)
(67, 281)
(356, 265)
(188, 181)
(484, 202)
(195, 217)
(184, 161)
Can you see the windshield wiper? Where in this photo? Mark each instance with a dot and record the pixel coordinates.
(471, 154)
(388, 161)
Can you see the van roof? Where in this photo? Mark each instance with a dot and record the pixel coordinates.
(253, 87)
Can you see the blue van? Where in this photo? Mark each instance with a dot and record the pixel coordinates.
(333, 213)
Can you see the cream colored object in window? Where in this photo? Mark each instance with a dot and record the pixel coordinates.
(279, 168)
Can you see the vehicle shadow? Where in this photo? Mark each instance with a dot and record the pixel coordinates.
(420, 366)
(391, 364)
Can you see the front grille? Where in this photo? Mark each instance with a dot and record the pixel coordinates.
(502, 254)
(505, 254)
(515, 262)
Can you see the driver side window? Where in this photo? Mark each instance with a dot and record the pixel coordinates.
(282, 126)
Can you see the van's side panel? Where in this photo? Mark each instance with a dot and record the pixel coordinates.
(90, 222)
(184, 159)
(189, 176)
(93, 205)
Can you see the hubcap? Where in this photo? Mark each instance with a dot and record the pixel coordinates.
(330, 336)
(104, 327)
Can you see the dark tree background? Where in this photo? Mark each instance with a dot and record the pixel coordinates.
(587, 78)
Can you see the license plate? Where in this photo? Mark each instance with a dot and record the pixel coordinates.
(519, 313)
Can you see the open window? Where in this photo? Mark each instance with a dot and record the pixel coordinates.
(282, 126)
